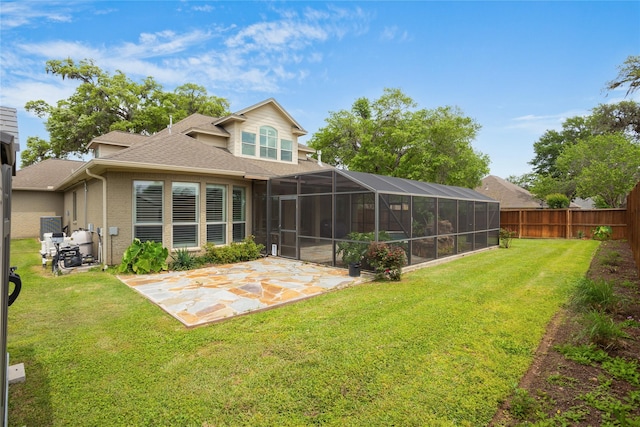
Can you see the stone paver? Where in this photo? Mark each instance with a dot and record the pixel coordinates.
(211, 294)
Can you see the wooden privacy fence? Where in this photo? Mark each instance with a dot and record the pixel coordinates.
(574, 223)
(563, 223)
(633, 219)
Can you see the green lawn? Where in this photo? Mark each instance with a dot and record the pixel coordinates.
(442, 347)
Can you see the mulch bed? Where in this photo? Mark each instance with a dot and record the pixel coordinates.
(574, 379)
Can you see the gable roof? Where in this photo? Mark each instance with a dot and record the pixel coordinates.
(239, 115)
(173, 150)
(119, 138)
(45, 175)
(507, 193)
(181, 151)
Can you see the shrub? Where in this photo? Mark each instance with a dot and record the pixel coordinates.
(557, 201)
(583, 354)
(602, 330)
(602, 232)
(523, 405)
(247, 250)
(353, 252)
(612, 259)
(505, 237)
(386, 260)
(596, 295)
(143, 258)
(182, 259)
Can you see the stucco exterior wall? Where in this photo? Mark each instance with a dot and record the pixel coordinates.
(120, 207)
(28, 206)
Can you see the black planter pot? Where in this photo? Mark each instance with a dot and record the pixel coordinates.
(354, 269)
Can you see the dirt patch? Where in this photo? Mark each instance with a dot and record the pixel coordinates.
(560, 391)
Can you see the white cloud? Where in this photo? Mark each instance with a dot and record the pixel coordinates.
(538, 124)
(162, 43)
(17, 14)
(256, 57)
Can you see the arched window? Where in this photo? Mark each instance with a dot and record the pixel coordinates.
(268, 142)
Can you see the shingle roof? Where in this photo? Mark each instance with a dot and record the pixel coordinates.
(177, 150)
(193, 121)
(172, 148)
(118, 137)
(45, 175)
(507, 193)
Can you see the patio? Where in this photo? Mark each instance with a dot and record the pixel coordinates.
(212, 294)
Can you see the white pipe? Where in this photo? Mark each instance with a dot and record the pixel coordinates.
(103, 256)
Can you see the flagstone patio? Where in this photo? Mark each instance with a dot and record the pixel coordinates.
(212, 294)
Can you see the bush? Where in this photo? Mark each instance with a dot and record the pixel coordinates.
(182, 259)
(602, 232)
(597, 295)
(505, 237)
(602, 330)
(143, 258)
(247, 250)
(353, 252)
(386, 260)
(557, 201)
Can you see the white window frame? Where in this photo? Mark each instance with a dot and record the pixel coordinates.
(268, 143)
(248, 144)
(239, 215)
(283, 150)
(212, 219)
(140, 223)
(185, 222)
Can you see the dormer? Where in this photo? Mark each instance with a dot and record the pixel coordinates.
(264, 131)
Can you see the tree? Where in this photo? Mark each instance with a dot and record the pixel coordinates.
(629, 73)
(104, 102)
(542, 186)
(620, 117)
(390, 136)
(605, 167)
(552, 143)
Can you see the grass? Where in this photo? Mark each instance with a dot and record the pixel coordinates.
(442, 347)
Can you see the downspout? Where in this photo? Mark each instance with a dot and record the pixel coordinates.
(103, 255)
(86, 190)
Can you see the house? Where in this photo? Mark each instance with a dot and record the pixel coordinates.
(512, 196)
(508, 194)
(217, 180)
(189, 184)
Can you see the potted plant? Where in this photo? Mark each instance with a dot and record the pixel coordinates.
(352, 253)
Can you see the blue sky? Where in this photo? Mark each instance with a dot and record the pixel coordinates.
(517, 68)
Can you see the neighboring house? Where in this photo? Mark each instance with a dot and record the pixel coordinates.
(510, 195)
(507, 193)
(187, 185)
(217, 180)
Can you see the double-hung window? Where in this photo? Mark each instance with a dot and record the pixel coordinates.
(268, 142)
(185, 211)
(216, 214)
(239, 213)
(248, 144)
(147, 210)
(286, 150)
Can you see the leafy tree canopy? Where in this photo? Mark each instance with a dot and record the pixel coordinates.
(605, 166)
(390, 136)
(628, 74)
(103, 103)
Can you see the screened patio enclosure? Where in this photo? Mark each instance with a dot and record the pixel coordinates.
(305, 216)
